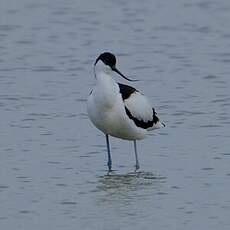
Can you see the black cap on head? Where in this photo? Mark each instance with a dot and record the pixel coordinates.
(108, 58)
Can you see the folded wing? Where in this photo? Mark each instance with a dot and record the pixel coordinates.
(138, 108)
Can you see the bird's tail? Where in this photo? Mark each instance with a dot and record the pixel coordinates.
(157, 124)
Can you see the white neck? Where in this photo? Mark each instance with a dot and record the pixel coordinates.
(100, 68)
(106, 87)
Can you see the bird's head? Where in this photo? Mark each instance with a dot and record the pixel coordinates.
(106, 62)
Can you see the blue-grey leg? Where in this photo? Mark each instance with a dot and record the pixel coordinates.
(136, 156)
(109, 155)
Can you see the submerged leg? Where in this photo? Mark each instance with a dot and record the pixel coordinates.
(136, 156)
(109, 155)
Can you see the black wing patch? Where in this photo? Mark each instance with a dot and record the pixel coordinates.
(140, 123)
(126, 90)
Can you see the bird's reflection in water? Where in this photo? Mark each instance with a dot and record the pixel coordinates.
(128, 188)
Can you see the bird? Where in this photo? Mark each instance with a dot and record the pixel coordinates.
(117, 109)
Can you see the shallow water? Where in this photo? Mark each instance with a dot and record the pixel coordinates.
(53, 161)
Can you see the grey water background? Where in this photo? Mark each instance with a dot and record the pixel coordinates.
(52, 159)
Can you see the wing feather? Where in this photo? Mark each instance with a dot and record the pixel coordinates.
(137, 107)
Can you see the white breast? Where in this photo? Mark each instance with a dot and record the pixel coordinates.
(107, 111)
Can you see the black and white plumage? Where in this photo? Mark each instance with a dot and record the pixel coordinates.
(117, 109)
(129, 94)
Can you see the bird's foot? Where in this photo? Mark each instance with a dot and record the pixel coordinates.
(137, 166)
(109, 168)
(110, 171)
(109, 164)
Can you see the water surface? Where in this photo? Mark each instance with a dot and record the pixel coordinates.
(53, 161)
